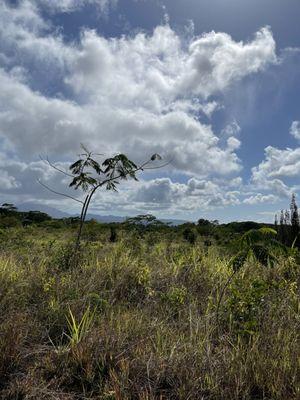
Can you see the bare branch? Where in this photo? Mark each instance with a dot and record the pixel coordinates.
(60, 194)
(47, 161)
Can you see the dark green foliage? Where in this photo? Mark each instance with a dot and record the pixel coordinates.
(144, 223)
(203, 222)
(239, 260)
(11, 217)
(289, 227)
(93, 231)
(7, 221)
(89, 173)
(7, 209)
(144, 220)
(246, 304)
(113, 234)
(295, 225)
(189, 235)
(242, 227)
(261, 245)
(37, 216)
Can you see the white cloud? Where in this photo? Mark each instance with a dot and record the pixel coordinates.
(192, 195)
(7, 182)
(233, 143)
(236, 182)
(137, 94)
(19, 180)
(216, 60)
(163, 67)
(126, 88)
(159, 191)
(27, 41)
(231, 129)
(278, 165)
(36, 124)
(295, 129)
(260, 198)
(73, 5)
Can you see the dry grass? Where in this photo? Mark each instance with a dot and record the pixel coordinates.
(152, 331)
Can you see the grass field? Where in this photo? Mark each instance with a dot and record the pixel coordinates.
(138, 320)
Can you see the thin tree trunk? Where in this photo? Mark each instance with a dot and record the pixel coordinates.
(82, 220)
(79, 233)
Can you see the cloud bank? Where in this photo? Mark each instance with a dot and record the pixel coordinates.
(138, 94)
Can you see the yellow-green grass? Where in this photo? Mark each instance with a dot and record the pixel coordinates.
(137, 320)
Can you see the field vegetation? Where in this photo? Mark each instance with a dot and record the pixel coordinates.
(150, 311)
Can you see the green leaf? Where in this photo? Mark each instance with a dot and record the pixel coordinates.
(76, 166)
(257, 235)
(95, 165)
(239, 260)
(262, 255)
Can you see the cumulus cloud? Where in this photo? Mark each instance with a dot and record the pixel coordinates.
(192, 195)
(19, 183)
(22, 178)
(124, 91)
(260, 198)
(216, 60)
(295, 129)
(165, 67)
(277, 166)
(137, 94)
(231, 129)
(8, 182)
(28, 42)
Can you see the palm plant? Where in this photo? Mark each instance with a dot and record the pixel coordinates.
(259, 245)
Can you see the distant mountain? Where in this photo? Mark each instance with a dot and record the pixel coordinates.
(173, 222)
(55, 213)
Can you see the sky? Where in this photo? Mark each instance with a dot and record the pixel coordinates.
(210, 85)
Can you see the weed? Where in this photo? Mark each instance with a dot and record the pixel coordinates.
(79, 329)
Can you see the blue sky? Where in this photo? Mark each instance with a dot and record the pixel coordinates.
(212, 85)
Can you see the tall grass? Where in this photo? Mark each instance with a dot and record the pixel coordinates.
(152, 333)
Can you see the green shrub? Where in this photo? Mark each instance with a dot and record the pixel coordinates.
(175, 298)
(189, 235)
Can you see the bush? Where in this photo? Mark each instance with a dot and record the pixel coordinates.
(189, 235)
(9, 222)
(63, 257)
(113, 234)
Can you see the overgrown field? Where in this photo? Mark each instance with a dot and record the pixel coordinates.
(138, 320)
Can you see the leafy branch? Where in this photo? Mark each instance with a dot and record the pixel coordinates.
(88, 174)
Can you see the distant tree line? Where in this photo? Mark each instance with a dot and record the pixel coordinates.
(287, 225)
(10, 216)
